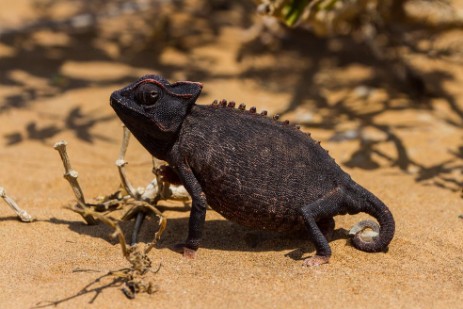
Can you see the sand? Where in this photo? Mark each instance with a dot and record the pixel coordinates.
(56, 87)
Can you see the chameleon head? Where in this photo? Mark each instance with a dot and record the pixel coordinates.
(151, 105)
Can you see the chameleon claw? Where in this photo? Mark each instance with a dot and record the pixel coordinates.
(185, 251)
(316, 260)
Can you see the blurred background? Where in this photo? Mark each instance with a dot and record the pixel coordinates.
(379, 82)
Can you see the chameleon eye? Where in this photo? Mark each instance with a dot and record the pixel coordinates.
(147, 94)
(154, 95)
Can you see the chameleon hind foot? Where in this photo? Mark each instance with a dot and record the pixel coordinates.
(316, 260)
(185, 251)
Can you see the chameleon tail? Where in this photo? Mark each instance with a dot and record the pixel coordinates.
(371, 205)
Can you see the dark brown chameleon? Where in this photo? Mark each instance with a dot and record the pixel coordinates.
(252, 169)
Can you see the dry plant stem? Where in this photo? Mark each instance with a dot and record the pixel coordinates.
(120, 162)
(71, 176)
(22, 214)
(162, 226)
(117, 230)
(165, 190)
(86, 212)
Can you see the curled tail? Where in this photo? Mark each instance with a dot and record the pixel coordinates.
(371, 205)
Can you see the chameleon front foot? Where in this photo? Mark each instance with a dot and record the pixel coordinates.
(185, 251)
(139, 212)
(136, 228)
(316, 260)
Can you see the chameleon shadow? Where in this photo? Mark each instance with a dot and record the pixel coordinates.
(218, 235)
(229, 236)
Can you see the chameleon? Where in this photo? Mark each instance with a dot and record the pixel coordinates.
(251, 168)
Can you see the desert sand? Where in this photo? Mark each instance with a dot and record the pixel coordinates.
(55, 86)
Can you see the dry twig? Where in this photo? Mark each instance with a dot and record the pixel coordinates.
(71, 176)
(22, 214)
(133, 277)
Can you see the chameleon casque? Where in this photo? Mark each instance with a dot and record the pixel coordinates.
(250, 168)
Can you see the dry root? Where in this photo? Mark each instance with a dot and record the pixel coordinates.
(134, 278)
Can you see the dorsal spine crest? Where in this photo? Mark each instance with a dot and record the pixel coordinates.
(253, 110)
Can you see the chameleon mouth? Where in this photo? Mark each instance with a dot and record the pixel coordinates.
(120, 100)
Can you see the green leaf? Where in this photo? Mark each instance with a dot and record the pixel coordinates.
(293, 11)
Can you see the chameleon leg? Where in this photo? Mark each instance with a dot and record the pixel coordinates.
(197, 214)
(322, 211)
(326, 226)
(137, 226)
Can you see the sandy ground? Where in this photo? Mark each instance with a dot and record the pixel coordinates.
(56, 87)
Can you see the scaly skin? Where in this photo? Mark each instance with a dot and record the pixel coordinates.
(253, 170)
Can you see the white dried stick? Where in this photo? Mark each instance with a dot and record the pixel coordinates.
(120, 162)
(22, 214)
(71, 176)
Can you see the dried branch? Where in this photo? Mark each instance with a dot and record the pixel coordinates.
(22, 214)
(71, 176)
(120, 163)
(136, 255)
(87, 212)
